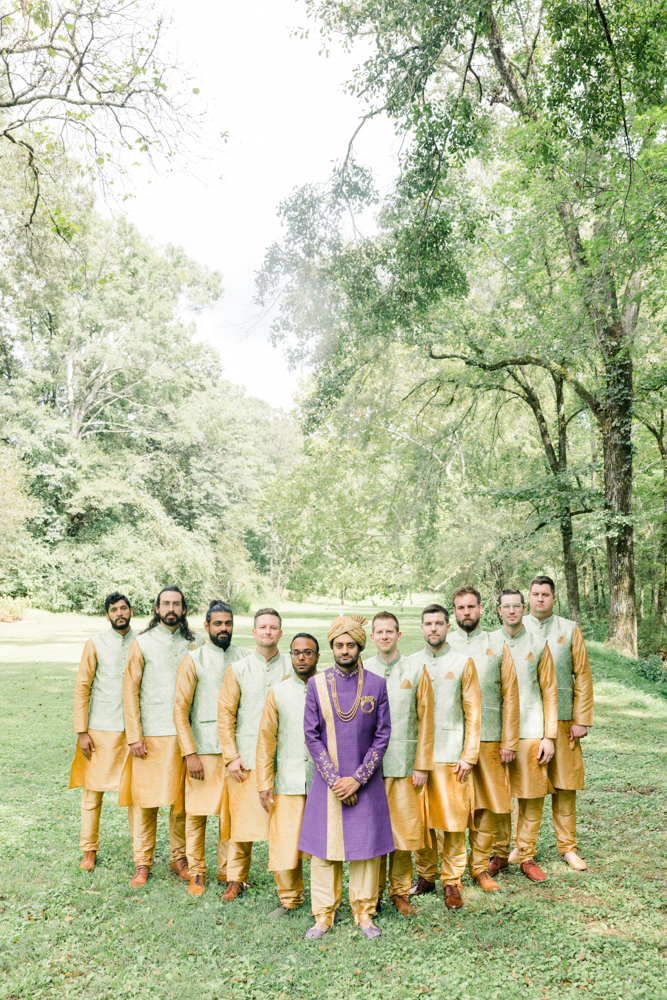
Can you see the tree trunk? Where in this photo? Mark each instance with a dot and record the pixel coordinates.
(571, 576)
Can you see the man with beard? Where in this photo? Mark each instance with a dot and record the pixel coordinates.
(538, 694)
(575, 711)
(409, 757)
(198, 684)
(457, 718)
(499, 735)
(101, 751)
(240, 706)
(149, 688)
(281, 745)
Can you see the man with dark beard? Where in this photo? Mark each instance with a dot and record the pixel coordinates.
(149, 689)
(198, 684)
(102, 750)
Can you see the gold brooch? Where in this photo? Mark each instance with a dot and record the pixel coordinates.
(367, 704)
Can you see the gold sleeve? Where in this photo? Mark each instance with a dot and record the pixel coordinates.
(425, 731)
(472, 709)
(228, 706)
(582, 714)
(85, 676)
(267, 743)
(546, 675)
(509, 686)
(186, 682)
(134, 671)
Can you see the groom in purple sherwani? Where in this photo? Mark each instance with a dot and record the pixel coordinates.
(347, 729)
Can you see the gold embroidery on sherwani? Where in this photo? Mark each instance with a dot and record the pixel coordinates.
(335, 843)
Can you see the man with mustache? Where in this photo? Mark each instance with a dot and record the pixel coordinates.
(102, 750)
(149, 689)
(198, 684)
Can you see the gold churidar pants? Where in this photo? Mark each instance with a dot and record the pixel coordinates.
(195, 845)
(400, 874)
(145, 833)
(91, 807)
(326, 888)
(564, 815)
(527, 830)
(239, 857)
(452, 848)
(481, 841)
(289, 885)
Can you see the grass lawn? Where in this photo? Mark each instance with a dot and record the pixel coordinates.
(65, 933)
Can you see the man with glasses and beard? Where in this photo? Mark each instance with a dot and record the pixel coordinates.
(102, 750)
(198, 684)
(149, 689)
(281, 746)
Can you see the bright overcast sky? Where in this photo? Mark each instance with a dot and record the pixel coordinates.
(288, 118)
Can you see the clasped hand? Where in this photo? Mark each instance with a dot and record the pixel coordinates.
(345, 789)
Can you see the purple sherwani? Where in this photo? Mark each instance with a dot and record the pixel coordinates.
(331, 830)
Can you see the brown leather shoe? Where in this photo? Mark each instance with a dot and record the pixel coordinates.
(533, 871)
(453, 900)
(196, 885)
(89, 859)
(497, 864)
(181, 869)
(140, 877)
(234, 889)
(422, 886)
(403, 905)
(486, 883)
(222, 879)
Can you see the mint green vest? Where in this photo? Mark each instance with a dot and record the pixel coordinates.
(211, 664)
(105, 710)
(255, 676)
(445, 670)
(399, 760)
(559, 633)
(294, 765)
(526, 650)
(162, 651)
(487, 654)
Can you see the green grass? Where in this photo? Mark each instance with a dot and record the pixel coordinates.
(64, 933)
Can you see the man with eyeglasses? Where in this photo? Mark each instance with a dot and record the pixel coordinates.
(281, 743)
(198, 684)
(575, 712)
(499, 736)
(240, 706)
(538, 696)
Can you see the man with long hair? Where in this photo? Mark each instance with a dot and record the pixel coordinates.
(240, 706)
(149, 689)
(198, 684)
(102, 750)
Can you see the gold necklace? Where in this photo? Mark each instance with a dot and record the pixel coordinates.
(347, 716)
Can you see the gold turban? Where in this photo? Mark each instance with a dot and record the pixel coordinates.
(350, 624)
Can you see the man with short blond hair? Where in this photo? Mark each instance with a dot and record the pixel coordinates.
(240, 706)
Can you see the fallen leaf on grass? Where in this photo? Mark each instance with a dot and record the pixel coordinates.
(323, 947)
(68, 920)
(527, 980)
(170, 922)
(93, 892)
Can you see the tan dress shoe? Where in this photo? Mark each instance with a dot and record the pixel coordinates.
(571, 858)
(422, 886)
(89, 859)
(196, 887)
(234, 889)
(404, 906)
(140, 877)
(497, 864)
(533, 871)
(453, 898)
(486, 883)
(181, 869)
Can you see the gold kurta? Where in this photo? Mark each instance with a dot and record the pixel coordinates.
(528, 779)
(103, 772)
(490, 776)
(287, 810)
(206, 797)
(566, 770)
(451, 803)
(157, 780)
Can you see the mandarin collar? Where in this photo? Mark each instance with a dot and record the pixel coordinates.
(441, 652)
(516, 634)
(339, 672)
